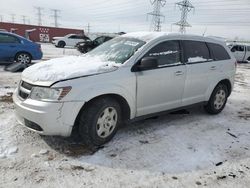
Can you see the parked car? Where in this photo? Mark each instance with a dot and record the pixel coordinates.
(68, 40)
(16, 48)
(130, 77)
(88, 45)
(241, 52)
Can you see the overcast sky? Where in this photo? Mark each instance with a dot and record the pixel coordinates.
(225, 18)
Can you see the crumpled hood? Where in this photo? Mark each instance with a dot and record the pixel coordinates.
(47, 72)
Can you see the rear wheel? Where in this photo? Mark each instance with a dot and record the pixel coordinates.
(23, 58)
(99, 121)
(217, 100)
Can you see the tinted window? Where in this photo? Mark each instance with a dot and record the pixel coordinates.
(8, 39)
(167, 53)
(238, 48)
(218, 51)
(196, 51)
(72, 37)
(248, 48)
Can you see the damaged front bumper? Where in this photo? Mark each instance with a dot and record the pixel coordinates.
(47, 118)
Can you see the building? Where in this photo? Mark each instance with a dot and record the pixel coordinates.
(38, 33)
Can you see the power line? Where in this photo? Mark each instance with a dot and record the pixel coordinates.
(56, 16)
(185, 7)
(156, 14)
(39, 15)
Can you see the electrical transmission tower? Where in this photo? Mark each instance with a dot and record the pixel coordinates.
(156, 14)
(39, 15)
(185, 7)
(55, 16)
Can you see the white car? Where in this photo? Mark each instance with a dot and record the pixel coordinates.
(131, 77)
(68, 40)
(241, 52)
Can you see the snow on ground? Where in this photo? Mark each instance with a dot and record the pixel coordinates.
(186, 149)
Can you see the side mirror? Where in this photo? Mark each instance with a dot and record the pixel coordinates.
(147, 63)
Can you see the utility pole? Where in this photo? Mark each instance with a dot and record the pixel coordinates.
(13, 18)
(55, 16)
(156, 14)
(24, 19)
(39, 15)
(185, 7)
(88, 28)
(1, 18)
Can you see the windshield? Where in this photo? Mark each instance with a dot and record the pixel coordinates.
(117, 50)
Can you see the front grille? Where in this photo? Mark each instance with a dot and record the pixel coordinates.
(24, 89)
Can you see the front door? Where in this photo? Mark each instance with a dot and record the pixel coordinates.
(239, 52)
(161, 88)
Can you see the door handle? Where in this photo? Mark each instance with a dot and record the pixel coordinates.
(179, 73)
(213, 68)
(12, 46)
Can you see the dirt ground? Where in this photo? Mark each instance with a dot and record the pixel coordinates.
(185, 149)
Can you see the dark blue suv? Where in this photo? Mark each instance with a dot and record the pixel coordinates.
(16, 48)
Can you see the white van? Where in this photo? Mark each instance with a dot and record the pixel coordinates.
(134, 76)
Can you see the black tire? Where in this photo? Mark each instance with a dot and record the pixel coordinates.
(61, 44)
(212, 107)
(23, 58)
(88, 126)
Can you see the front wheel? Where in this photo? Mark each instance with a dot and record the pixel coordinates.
(99, 121)
(217, 100)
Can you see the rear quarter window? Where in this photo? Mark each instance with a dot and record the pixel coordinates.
(218, 51)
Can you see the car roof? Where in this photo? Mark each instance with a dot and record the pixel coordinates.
(149, 36)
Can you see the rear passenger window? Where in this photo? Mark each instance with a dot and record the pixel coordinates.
(167, 53)
(248, 48)
(196, 51)
(218, 51)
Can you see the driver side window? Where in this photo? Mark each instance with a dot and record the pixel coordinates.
(167, 53)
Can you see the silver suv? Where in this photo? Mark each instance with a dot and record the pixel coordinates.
(133, 76)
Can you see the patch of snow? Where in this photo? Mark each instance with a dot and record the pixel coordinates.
(12, 150)
(43, 151)
(196, 59)
(145, 36)
(67, 67)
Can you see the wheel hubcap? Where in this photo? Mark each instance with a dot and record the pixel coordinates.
(106, 122)
(23, 58)
(220, 98)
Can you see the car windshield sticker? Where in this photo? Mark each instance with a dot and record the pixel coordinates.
(163, 53)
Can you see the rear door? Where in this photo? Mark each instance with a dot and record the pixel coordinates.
(9, 46)
(198, 63)
(161, 88)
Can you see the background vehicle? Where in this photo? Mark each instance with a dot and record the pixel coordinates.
(16, 48)
(88, 45)
(69, 40)
(241, 52)
(133, 76)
